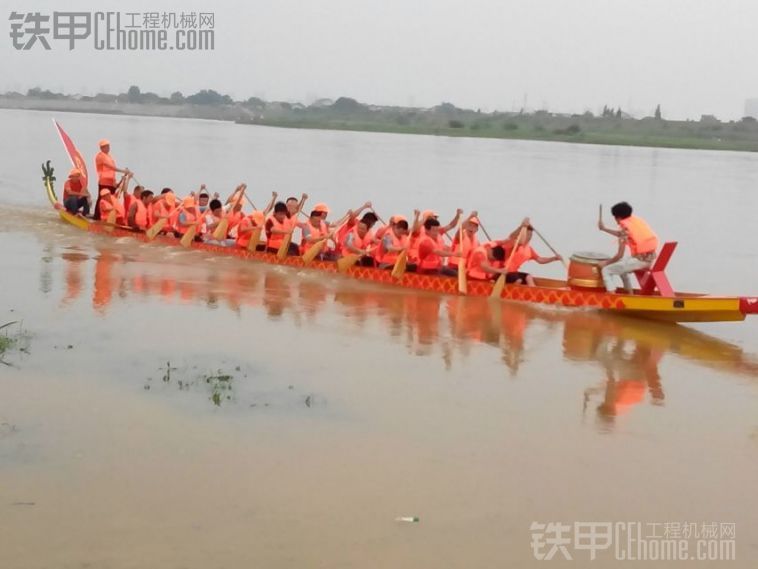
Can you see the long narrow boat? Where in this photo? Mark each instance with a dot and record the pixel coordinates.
(682, 307)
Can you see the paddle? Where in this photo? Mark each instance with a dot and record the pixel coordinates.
(314, 250)
(486, 234)
(222, 229)
(549, 246)
(400, 263)
(497, 289)
(344, 263)
(462, 283)
(255, 238)
(189, 235)
(156, 228)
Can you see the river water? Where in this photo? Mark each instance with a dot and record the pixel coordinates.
(165, 408)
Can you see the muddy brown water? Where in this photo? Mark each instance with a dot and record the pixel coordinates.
(179, 410)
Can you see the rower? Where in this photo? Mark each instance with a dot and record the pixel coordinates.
(470, 241)
(187, 217)
(638, 236)
(359, 240)
(523, 253)
(315, 229)
(211, 218)
(431, 254)
(202, 199)
(418, 231)
(164, 206)
(393, 242)
(106, 169)
(75, 195)
(107, 203)
(129, 199)
(138, 216)
(247, 226)
(278, 226)
(485, 262)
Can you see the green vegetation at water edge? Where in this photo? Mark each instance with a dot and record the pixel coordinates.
(608, 126)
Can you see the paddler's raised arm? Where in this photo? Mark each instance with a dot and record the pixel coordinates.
(303, 198)
(453, 222)
(601, 226)
(270, 205)
(416, 225)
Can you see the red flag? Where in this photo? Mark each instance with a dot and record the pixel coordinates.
(76, 158)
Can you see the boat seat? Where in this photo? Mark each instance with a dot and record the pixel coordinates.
(655, 279)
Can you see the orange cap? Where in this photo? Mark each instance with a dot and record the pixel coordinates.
(396, 218)
(189, 201)
(321, 208)
(104, 142)
(105, 192)
(426, 214)
(170, 199)
(474, 220)
(74, 173)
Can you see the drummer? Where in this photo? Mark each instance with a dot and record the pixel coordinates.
(642, 242)
(523, 253)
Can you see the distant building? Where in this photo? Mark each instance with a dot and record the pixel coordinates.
(751, 108)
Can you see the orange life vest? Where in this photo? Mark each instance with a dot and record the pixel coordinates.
(106, 206)
(315, 233)
(428, 261)
(470, 242)
(416, 238)
(274, 240)
(523, 254)
(161, 209)
(189, 220)
(641, 238)
(384, 256)
(243, 231)
(141, 219)
(358, 242)
(474, 262)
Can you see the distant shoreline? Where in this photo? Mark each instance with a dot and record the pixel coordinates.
(688, 135)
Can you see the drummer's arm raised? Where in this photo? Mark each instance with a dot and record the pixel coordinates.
(601, 226)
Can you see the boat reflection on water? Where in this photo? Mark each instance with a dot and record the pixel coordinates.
(624, 353)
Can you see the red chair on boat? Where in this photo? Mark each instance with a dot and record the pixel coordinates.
(655, 277)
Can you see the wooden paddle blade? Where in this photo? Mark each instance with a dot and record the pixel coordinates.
(222, 229)
(497, 288)
(156, 229)
(346, 262)
(189, 236)
(284, 247)
(462, 281)
(399, 269)
(313, 252)
(255, 238)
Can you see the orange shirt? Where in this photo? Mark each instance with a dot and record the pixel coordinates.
(73, 187)
(106, 169)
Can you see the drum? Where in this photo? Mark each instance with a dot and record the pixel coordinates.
(583, 272)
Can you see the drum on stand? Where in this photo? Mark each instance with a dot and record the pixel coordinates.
(584, 273)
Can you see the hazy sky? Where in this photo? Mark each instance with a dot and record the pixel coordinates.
(693, 57)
